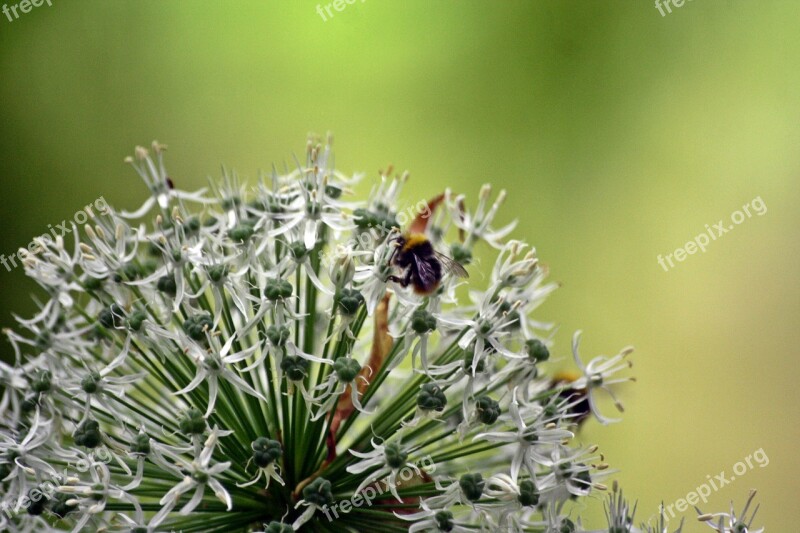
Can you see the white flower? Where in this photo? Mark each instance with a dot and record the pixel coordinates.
(386, 460)
(201, 473)
(731, 522)
(598, 374)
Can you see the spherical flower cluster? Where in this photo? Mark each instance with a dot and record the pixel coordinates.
(257, 359)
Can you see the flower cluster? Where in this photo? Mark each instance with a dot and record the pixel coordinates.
(243, 358)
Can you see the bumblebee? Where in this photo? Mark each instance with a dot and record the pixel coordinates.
(422, 265)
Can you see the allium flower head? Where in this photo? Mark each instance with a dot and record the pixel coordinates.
(251, 359)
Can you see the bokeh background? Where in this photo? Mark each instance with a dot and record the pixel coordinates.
(618, 133)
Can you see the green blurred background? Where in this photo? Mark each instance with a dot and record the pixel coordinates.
(618, 133)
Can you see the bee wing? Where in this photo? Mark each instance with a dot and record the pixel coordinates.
(424, 268)
(452, 266)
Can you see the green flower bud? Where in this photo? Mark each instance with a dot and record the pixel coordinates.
(277, 527)
(192, 225)
(346, 369)
(469, 355)
(295, 367)
(111, 317)
(28, 406)
(488, 410)
(59, 507)
(364, 218)
(423, 322)
(333, 191)
(528, 496)
(195, 326)
(241, 233)
(537, 350)
(231, 202)
(349, 300)
(472, 486)
(217, 273)
(278, 335)
(394, 455)
(266, 451)
(88, 434)
(567, 526)
(460, 254)
(444, 520)
(192, 422)
(140, 444)
(298, 251)
(277, 289)
(431, 398)
(41, 381)
(136, 320)
(128, 272)
(318, 492)
(167, 285)
(93, 284)
(90, 384)
(44, 340)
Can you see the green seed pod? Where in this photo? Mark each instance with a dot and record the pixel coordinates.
(265, 451)
(41, 381)
(167, 285)
(277, 289)
(277, 527)
(349, 300)
(217, 273)
(472, 486)
(346, 369)
(192, 225)
(528, 496)
(444, 520)
(394, 455)
(195, 326)
(128, 272)
(278, 335)
(136, 320)
(488, 410)
(431, 398)
(88, 434)
(298, 251)
(422, 322)
(537, 350)
(460, 254)
(295, 367)
(93, 284)
(112, 316)
(140, 444)
(192, 422)
(90, 384)
(59, 507)
(318, 492)
(567, 526)
(241, 233)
